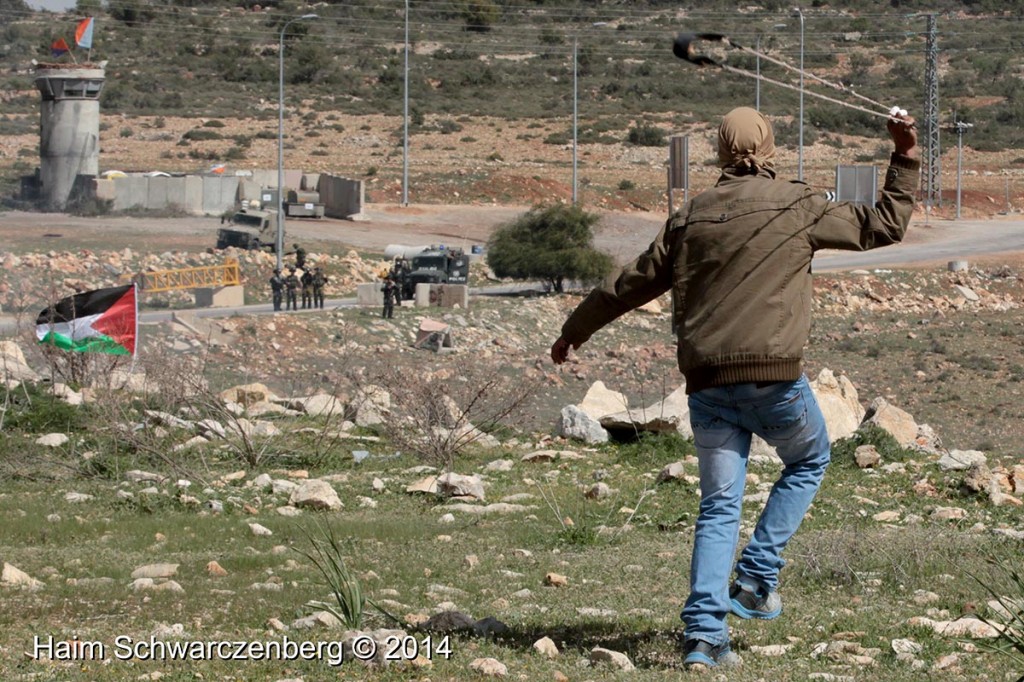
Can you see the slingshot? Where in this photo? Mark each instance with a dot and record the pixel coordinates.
(685, 47)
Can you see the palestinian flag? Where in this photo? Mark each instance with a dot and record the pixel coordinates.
(100, 321)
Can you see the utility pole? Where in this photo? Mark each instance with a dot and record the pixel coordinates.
(575, 114)
(960, 128)
(800, 148)
(931, 177)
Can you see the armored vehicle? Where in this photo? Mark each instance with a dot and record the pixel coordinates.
(250, 229)
(436, 266)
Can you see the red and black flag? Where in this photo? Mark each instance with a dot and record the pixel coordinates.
(100, 321)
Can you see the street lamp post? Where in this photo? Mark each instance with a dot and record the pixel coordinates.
(280, 139)
(960, 128)
(800, 148)
(405, 115)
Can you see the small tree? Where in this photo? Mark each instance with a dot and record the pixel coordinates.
(552, 243)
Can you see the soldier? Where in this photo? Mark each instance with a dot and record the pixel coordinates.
(300, 256)
(319, 280)
(291, 285)
(277, 289)
(307, 289)
(398, 275)
(390, 296)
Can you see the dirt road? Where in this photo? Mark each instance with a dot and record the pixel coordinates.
(622, 234)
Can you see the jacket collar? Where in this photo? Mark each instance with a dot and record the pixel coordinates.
(730, 175)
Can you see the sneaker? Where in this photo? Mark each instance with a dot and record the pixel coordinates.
(697, 652)
(760, 604)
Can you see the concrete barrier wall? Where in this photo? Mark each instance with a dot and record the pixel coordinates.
(193, 194)
(248, 190)
(268, 178)
(219, 193)
(342, 197)
(130, 192)
(156, 193)
(370, 294)
(215, 194)
(442, 295)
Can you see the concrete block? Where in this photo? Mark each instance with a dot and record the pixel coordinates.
(262, 177)
(442, 295)
(221, 297)
(248, 190)
(105, 190)
(342, 197)
(156, 195)
(175, 193)
(267, 177)
(219, 194)
(193, 194)
(131, 191)
(292, 178)
(370, 294)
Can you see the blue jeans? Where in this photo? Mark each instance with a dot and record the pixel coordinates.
(787, 416)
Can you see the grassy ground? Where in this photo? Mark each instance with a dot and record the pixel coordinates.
(850, 577)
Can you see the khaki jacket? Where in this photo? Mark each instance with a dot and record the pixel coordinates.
(738, 261)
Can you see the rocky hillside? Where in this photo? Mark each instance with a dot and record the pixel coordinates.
(474, 136)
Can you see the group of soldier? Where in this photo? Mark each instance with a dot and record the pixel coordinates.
(286, 288)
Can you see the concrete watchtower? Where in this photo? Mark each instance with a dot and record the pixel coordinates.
(69, 128)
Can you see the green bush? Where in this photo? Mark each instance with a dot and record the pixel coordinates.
(655, 449)
(214, 123)
(626, 185)
(558, 138)
(646, 135)
(32, 410)
(552, 243)
(197, 134)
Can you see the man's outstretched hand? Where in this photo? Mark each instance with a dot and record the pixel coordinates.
(904, 135)
(560, 350)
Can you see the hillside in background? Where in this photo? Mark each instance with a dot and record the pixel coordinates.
(475, 60)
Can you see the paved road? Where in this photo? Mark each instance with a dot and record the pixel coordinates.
(936, 243)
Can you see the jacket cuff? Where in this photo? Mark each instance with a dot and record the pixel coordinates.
(904, 162)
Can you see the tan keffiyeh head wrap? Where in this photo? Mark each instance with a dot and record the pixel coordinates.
(746, 141)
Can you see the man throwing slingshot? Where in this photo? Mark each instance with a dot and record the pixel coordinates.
(738, 259)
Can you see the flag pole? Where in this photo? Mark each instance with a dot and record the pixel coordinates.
(135, 348)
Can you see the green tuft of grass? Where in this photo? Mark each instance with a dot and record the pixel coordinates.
(869, 434)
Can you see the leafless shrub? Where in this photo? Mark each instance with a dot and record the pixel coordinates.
(854, 556)
(437, 415)
(82, 369)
